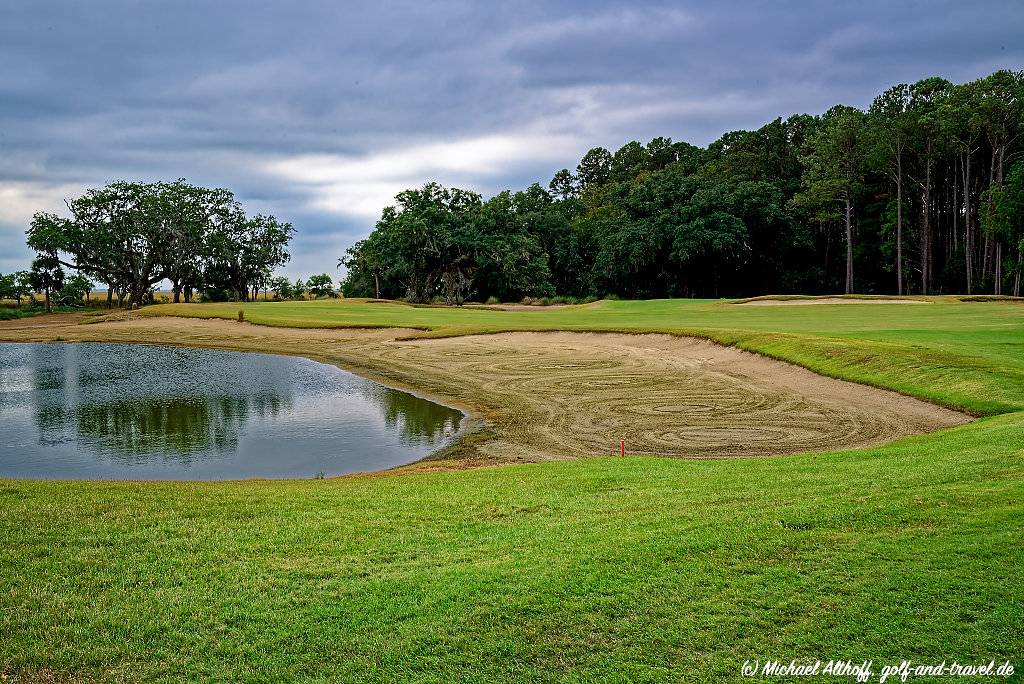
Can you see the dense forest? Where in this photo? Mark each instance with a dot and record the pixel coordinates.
(921, 193)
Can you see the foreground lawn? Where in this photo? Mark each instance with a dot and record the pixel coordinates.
(594, 570)
(602, 570)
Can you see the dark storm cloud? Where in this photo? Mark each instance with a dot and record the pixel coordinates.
(319, 111)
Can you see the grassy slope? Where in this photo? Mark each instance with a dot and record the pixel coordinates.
(601, 570)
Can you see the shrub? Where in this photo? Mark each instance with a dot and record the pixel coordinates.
(492, 300)
(320, 285)
(214, 294)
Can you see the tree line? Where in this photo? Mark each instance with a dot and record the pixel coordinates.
(132, 236)
(75, 290)
(921, 193)
(317, 286)
(60, 290)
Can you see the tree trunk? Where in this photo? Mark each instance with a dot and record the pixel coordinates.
(986, 257)
(110, 296)
(137, 295)
(999, 244)
(849, 247)
(953, 205)
(1016, 279)
(968, 233)
(46, 293)
(926, 229)
(828, 248)
(899, 226)
(177, 291)
(999, 268)
(376, 282)
(987, 249)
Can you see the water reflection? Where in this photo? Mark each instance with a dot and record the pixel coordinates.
(412, 417)
(133, 411)
(175, 428)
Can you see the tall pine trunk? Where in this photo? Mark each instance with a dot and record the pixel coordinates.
(999, 268)
(926, 229)
(849, 247)
(999, 245)
(968, 233)
(1016, 279)
(899, 225)
(954, 233)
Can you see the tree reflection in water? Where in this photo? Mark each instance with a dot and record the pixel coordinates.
(178, 428)
(419, 421)
(107, 410)
(142, 402)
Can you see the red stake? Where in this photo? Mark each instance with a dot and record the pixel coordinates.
(622, 448)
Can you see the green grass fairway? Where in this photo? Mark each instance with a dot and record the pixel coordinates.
(602, 570)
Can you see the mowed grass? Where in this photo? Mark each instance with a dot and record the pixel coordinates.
(607, 569)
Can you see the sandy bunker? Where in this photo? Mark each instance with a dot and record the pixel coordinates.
(582, 392)
(563, 395)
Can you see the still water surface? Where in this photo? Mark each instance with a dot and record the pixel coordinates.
(138, 412)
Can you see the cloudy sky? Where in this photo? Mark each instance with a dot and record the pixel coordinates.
(319, 112)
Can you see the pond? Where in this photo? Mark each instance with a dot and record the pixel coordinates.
(140, 412)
